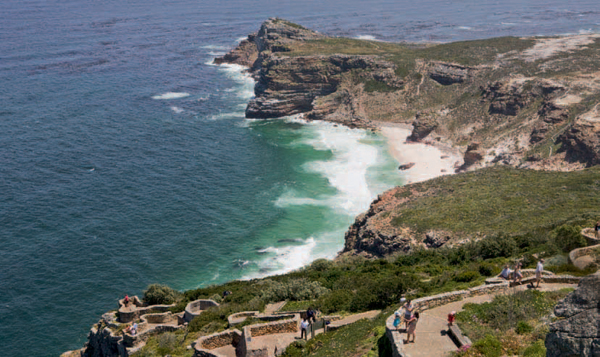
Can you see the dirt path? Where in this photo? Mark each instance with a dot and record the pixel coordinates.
(431, 338)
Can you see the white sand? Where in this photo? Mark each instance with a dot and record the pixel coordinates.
(427, 158)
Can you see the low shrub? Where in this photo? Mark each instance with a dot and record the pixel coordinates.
(338, 300)
(489, 346)
(292, 289)
(567, 238)
(466, 276)
(487, 269)
(523, 328)
(166, 343)
(157, 294)
(536, 350)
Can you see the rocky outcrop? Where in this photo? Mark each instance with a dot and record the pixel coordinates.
(245, 54)
(507, 98)
(291, 85)
(423, 125)
(581, 140)
(578, 332)
(373, 235)
(449, 73)
(473, 155)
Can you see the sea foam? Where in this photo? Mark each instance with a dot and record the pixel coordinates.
(171, 95)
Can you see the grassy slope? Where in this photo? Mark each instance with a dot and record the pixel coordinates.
(501, 199)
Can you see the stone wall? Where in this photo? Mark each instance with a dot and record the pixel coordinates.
(217, 340)
(129, 314)
(272, 328)
(194, 308)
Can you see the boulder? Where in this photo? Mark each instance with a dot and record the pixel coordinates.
(406, 166)
(423, 125)
(578, 332)
(436, 239)
(448, 73)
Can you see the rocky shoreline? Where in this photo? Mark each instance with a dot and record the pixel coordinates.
(525, 103)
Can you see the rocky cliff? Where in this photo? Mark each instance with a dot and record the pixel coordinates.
(577, 333)
(525, 103)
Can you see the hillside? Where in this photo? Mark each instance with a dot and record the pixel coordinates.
(523, 102)
(454, 209)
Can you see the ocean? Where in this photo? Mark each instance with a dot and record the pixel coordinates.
(126, 160)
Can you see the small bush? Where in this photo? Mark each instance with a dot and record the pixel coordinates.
(338, 300)
(489, 346)
(292, 289)
(536, 350)
(218, 298)
(466, 276)
(567, 238)
(523, 328)
(321, 264)
(487, 269)
(166, 343)
(157, 294)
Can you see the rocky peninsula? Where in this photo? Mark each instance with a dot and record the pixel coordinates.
(516, 120)
(525, 103)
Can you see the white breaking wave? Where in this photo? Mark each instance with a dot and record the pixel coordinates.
(212, 53)
(228, 115)
(239, 74)
(464, 28)
(367, 37)
(171, 95)
(286, 259)
(177, 110)
(347, 170)
(215, 47)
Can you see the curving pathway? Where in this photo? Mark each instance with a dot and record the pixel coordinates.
(431, 337)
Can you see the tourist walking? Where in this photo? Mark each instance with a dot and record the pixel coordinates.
(311, 314)
(408, 310)
(412, 326)
(538, 272)
(304, 325)
(597, 229)
(517, 275)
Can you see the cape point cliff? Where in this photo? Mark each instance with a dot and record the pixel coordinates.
(526, 103)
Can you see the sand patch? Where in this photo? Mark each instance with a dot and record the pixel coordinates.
(430, 161)
(568, 100)
(548, 47)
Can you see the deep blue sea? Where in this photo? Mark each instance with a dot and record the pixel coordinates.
(125, 157)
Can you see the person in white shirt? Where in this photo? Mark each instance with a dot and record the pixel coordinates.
(506, 272)
(538, 272)
(304, 325)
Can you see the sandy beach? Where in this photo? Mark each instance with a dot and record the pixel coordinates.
(429, 161)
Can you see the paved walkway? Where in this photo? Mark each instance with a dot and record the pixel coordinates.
(272, 308)
(431, 338)
(353, 318)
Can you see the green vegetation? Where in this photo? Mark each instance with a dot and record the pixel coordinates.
(502, 199)
(363, 338)
(157, 294)
(289, 23)
(468, 53)
(494, 326)
(377, 86)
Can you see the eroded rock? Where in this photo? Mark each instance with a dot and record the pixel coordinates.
(578, 333)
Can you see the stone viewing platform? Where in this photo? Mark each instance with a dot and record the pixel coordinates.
(434, 337)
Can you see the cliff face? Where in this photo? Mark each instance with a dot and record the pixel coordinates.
(578, 333)
(288, 85)
(525, 103)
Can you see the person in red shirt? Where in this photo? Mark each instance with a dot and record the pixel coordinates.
(451, 318)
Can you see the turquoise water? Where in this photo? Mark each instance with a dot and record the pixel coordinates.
(125, 158)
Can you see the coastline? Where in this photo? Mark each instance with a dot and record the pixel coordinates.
(429, 160)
